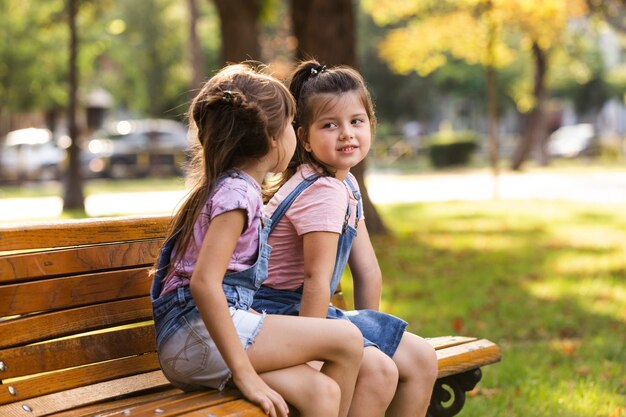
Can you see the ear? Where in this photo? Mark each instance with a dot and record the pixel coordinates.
(306, 145)
(273, 142)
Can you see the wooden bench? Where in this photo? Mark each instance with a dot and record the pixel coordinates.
(76, 337)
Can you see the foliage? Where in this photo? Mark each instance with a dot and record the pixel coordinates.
(426, 35)
(141, 61)
(449, 148)
(545, 280)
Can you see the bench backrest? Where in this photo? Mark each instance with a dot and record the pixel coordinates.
(75, 310)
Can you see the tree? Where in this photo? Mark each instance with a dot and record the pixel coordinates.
(479, 32)
(73, 197)
(326, 30)
(240, 29)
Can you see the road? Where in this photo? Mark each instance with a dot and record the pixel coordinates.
(384, 188)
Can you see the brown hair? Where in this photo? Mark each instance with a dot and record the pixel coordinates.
(311, 80)
(232, 117)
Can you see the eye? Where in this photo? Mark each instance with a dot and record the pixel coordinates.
(357, 121)
(329, 125)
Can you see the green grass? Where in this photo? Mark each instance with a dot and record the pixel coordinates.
(545, 280)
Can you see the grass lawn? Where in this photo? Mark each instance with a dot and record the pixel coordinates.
(545, 280)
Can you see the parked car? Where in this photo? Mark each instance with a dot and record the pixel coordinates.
(136, 148)
(572, 141)
(30, 154)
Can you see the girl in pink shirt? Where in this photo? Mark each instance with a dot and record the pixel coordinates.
(316, 213)
(216, 255)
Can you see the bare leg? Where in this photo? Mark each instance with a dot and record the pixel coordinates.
(312, 393)
(375, 386)
(286, 341)
(417, 366)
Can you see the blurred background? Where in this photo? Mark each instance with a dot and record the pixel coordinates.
(99, 89)
(495, 189)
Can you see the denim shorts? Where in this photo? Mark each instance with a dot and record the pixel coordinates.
(379, 329)
(187, 353)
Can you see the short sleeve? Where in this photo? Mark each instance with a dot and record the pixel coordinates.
(320, 208)
(234, 194)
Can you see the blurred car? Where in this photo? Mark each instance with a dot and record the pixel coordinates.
(572, 141)
(137, 148)
(30, 154)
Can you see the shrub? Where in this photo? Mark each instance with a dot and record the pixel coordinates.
(449, 148)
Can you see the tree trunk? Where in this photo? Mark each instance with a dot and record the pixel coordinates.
(73, 198)
(325, 30)
(195, 51)
(240, 29)
(492, 104)
(535, 125)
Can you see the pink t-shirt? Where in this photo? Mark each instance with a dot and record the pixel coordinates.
(232, 193)
(320, 208)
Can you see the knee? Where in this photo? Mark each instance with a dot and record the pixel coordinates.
(323, 396)
(351, 340)
(417, 360)
(378, 375)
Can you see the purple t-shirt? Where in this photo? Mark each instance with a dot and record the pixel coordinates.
(231, 193)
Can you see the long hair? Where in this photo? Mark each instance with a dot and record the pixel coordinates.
(233, 117)
(311, 84)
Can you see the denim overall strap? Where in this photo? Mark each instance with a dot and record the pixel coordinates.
(359, 201)
(344, 245)
(162, 266)
(287, 202)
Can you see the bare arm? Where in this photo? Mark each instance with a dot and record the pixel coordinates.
(365, 270)
(320, 249)
(206, 288)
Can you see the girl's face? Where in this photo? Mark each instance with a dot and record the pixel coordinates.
(286, 147)
(340, 135)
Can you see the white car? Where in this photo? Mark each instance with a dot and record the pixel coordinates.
(30, 154)
(572, 141)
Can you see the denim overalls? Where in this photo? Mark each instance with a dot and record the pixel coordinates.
(187, 353)
(379, 329)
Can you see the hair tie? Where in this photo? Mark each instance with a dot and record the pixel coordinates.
(318, 70)
(228, 96)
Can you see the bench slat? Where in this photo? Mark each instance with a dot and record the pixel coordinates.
(58, 293)
(180, 405)
(442, 342)
(460, 358)
(65, 400)
(104, 408)
(76, 232)
(78, 320)
(77, 351)
(76, 377)
(238, 408)
(22, 267)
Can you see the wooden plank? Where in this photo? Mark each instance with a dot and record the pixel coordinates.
(460, 358)
(77, 351)
(179, 405)
(76, 232)
(23, 267)
(80, 290)
(104, 408)
(49, 383)
(238, 408)
(442, 342)
(78, 320)
(65, 400)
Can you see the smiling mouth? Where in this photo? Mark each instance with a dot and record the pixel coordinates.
(348, 148)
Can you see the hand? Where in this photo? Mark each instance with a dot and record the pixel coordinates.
(258, 392)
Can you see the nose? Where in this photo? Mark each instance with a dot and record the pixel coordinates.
(346, 133)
